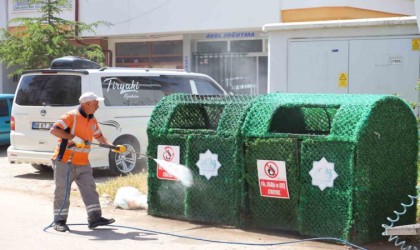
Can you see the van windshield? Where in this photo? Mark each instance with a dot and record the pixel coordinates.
(49, 90)
(149, 90)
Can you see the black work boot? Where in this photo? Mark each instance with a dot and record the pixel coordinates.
(61, 226)
(100, 222)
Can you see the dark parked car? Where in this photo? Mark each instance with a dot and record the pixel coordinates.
(6, 101)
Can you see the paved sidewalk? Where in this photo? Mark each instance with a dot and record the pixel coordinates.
(24, 216)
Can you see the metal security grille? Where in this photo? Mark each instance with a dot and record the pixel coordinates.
(234, 71)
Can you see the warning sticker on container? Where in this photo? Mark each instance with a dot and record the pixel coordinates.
(342, 80)
(415, 44)
(272, 179)
(170, 154)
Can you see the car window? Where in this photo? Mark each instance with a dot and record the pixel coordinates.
(4, 108)
(149, 90)
(54, 90)
(205, 87)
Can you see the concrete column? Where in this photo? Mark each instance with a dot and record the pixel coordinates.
(186, 52)
(277, 65)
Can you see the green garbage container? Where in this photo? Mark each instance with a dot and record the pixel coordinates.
(205, 131)
(329, 165)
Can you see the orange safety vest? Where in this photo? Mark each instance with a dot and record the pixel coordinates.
(78, 123)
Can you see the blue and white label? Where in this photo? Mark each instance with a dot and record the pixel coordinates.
(208, 164)
(230, 35)
(323, 174)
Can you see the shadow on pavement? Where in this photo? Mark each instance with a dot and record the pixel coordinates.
(38, 175)
(3, 150)
(99, 175)
(113, 234)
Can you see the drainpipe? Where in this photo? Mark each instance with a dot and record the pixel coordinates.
(76, 17)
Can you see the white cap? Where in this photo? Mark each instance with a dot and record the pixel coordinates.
(90, 96)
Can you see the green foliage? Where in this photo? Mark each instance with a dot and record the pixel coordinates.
(39, 40)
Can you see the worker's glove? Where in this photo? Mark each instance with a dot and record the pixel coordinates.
(78, 142)
(121, 149)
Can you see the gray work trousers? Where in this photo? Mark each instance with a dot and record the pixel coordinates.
(83, 177)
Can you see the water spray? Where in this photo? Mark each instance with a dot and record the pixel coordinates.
(181, 172)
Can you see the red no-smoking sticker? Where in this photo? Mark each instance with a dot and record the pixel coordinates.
(272, 179)
(170, 154)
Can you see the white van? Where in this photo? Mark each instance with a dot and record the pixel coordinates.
(42, 96)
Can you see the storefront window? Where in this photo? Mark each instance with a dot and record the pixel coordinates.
(128, 49)
(240, 66)
(246, 46)
(25, 5)
(167, 48)
(157, 54)
(212, 47)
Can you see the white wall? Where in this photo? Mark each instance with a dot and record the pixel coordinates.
(280, 34)
(3, 14)
(130, 17)
(67, 14)
(403, 7)
(417, 8)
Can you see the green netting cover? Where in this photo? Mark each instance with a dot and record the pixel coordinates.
(165, 197)
(326, 212)
(198, 124)
(218, 199)
(321, 165)
(370, 139)
(269, 212)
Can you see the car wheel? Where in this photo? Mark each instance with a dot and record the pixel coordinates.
(41, 167)
(127, 162)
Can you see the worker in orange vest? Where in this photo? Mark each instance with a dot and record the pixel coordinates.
(75, 130)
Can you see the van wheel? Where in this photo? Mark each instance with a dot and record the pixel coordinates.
(41, 167)
(127, 162)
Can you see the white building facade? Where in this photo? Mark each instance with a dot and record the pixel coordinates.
(374, 56)
(223, 39)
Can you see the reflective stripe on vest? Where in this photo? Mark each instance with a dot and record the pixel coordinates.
(74, 124)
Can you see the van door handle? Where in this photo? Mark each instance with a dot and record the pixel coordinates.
(7, 121)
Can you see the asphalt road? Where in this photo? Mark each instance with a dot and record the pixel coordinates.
(26, 209)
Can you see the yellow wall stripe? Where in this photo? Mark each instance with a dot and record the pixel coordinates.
(331, 13)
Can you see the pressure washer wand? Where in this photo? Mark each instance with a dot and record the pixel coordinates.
(117, 148)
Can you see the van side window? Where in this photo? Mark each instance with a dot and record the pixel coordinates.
(49, 90)
(4, 109)
(149, 90)
(204, 86)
